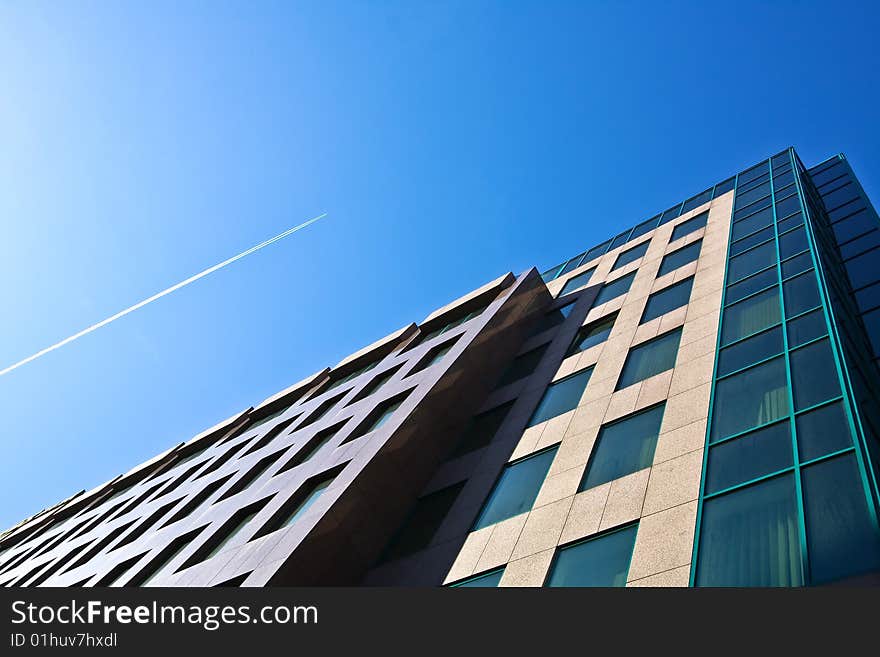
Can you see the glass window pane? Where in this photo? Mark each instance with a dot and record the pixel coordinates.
(602, 561)
(751, 315)
(814, 375)
(667, 300)
(749, 457)
(649, 359)
(620, 240)
(750, 537)
(800, 294)
(750, 285)
(689, 226)
(561, 397)
(752, 174)
(422, 524)
(523, 365)
(792, 242)
(805, 328)
(752, 194)
(749, 351)
(696, 201)
(624, 447)
(590, 336)
(482, 429)
(754, 208)
(750, 262)
(822, 431)
(796, 265)
(631, 255)
(752, 223)
(752, 240)
(614, 289)
(787, 206)
(841, 538)
(572, 264)
(749, 399)
(553, 318)
(576, 283)
(486, 580)
(723, 187)
(644, 227)
(516, 489)
(670, 214)
(790, 222)
(680, 258)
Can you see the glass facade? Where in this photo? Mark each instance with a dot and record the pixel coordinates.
(600, 561)
(786, 498)
(516, 488)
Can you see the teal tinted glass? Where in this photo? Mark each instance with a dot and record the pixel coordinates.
(561, 397)
(752, 240)
(614, 289)
(796, 265)
(486, 580)
(822, 431)
(801, 294)
(650, 359)
(624, 447)
(749, 457)
(689, 226)
(750, 262)
(680, 258)
(601, 561)
(751, 315)
(792, 242)
(752, 223)
(311, 497)
(572, 264)
(631, 255)
(576, 282)
(750, 285)
(750, 537)
(553, 318)
(749, 399)
(790, 222)
(516, 489)
(806, 328)
(750, 351)
(667, 300)
(842, 540)
(813, 374)
(591, 335)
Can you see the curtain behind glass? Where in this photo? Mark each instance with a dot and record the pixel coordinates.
(650, 359)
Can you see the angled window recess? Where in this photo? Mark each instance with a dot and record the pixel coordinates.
(380, 415)
(631, 255)
(253, 473)
(455, 319)
(378, 381)
(300, 502)
(649, 359)
(312, 447)
(321, 410)
(523, 365)
(562, 396)
(483, 580)
(689, 226)
(591, 335)
(337, 380)
(423, 522)
(166, 556)
(482, 429)
(600, 561)
(576, 283)
(234, 528)
(434, 356)
(553, 318)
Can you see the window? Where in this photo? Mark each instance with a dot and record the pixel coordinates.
(576, 283)
(516, 489)
(187, 509)
(253, 474)
(749, 537)
(522, 366)
(300, 502)
(649, 359)
(841, 538)
(750, 351)
(750, 262)
(751, 315)
(560, 397)
(822, 431)
(321, 410)
(614, 289)
(800, 293)
(600, 561)
(750, 285)
(676, 259)
(267, 418)
(631, 255)
(231, 530)
(667, 300)
(380, 415)
(748, 457)
(689, 226)
(749, 399)
(805, 328)
(178, 545)
(379, 381)
(434, 356)
(623, 447)
(590, 336)
(813, 374)
(312, 447)
(482, 430)
(754, 239)
(423, 522)
(490, 579)
(553, 318)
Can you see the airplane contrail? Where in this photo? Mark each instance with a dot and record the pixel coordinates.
(159, 295)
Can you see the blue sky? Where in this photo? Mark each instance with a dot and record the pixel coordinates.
(449, 142)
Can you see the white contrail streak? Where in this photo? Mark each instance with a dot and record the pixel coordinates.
(161, 294)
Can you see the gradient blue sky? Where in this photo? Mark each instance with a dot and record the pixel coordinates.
(448, 141)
